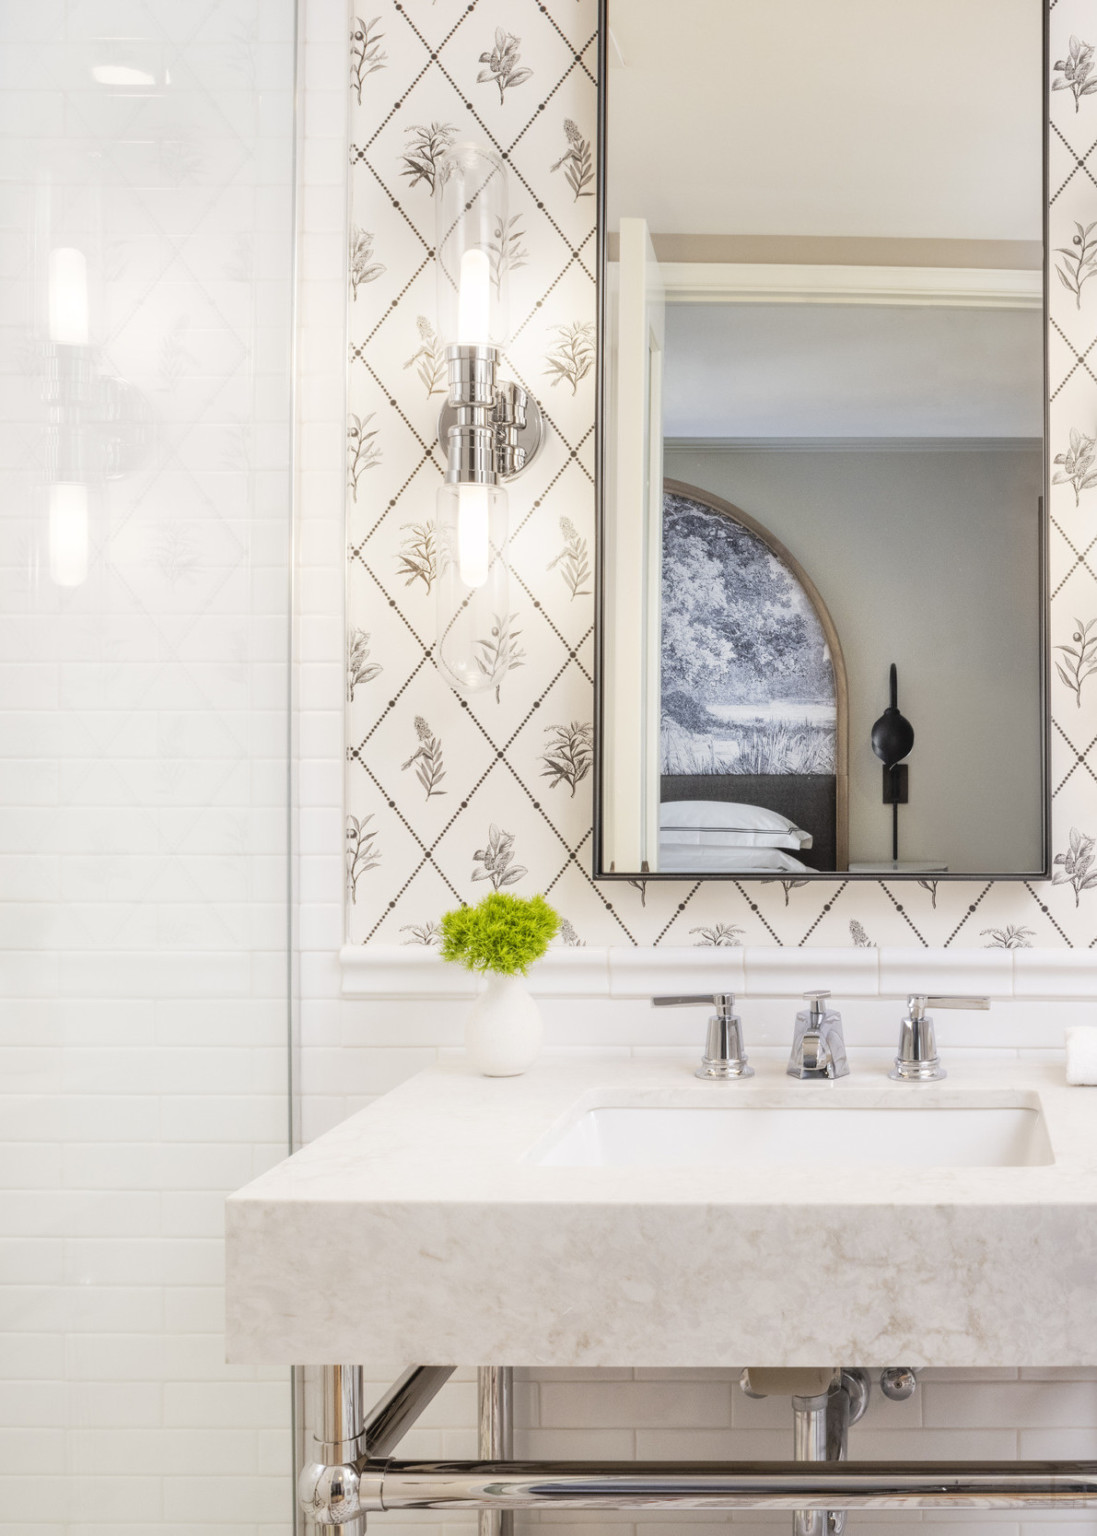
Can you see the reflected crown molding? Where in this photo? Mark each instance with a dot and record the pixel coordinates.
(704, 282)
(858, 445)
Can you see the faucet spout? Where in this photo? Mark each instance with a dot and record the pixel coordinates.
(818, 1045)
(815, 1057)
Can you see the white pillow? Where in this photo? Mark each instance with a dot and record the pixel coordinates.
(678, 859)
(728, 824)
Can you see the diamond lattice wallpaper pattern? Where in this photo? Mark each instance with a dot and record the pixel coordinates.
(447, 796)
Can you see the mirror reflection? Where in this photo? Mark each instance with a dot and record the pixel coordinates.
(821, 623)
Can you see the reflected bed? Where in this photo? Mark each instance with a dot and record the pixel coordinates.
(805, 800)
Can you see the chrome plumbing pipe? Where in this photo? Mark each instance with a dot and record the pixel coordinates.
(728, 1485)
(809, 1443)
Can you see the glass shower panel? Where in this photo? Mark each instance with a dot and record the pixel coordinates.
(146, 249)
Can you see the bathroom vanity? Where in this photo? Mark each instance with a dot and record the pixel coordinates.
(608, 1211)
(612, 1211)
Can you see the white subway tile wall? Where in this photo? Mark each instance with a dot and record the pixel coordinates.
(143, 756)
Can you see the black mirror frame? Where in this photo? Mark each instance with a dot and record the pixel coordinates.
(600, 872)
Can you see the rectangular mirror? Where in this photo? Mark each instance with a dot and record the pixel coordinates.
(822, 609)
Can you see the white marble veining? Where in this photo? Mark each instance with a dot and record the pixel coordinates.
(423, 1228)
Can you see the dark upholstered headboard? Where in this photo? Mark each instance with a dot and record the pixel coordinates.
(808, 799)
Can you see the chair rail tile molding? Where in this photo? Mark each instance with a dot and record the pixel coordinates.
(379, 971)
(448, 796)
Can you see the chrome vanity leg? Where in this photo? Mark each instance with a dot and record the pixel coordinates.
(341, 1411)
(350, 1444)
(495, 1390)
(328, 1487)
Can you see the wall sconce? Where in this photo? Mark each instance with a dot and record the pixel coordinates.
(490, 428)
(892, 739)
(98, 422)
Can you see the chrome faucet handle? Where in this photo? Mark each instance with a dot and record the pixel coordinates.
(918, 1060)
(724, 1056)
(818, 1043)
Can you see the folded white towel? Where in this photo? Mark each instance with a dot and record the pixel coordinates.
(1082, 1055)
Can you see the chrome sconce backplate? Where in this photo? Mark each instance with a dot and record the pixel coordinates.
(512, 414)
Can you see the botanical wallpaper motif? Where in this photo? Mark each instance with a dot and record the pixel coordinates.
(359, 667)
(363, 269)
(366, 53)
(513, 810)
(1073, 72)
(502, 64)
(1079, 260)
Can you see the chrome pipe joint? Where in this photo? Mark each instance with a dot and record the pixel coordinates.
(331, 1497)
(343, 1482)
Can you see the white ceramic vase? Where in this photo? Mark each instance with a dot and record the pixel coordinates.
(503, 1031)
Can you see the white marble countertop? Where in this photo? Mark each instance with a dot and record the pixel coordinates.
(420, 1228)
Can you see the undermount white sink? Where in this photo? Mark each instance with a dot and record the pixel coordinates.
(819, 1136)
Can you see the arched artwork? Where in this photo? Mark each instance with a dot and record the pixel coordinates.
(753, 695)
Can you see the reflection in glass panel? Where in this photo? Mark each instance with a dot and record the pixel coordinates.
(147, 220)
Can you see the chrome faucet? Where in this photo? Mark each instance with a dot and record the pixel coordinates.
(818, 1045)
(724, 1056)
(918, 1061)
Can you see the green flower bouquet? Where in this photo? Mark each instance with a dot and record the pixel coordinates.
(504, 934)
(501, 937)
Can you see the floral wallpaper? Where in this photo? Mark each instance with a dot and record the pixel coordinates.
(448, 796)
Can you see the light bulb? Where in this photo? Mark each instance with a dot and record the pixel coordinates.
(472, 589)
(473, 545)
(68, 533)
(470, 194)
(474, 300)
(68, 297)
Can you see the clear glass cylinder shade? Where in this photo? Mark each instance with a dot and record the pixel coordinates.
(471, 246)
(70, 278)
(474, 620)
